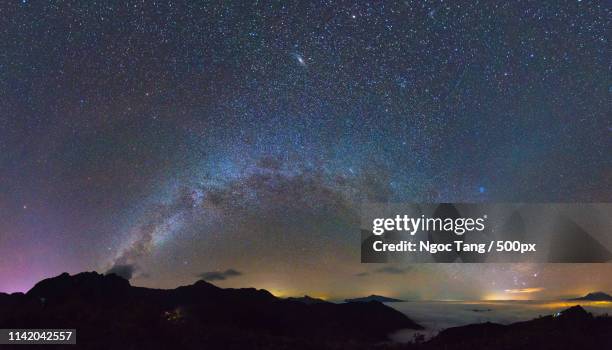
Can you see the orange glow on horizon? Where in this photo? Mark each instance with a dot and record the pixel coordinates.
(570, 303)
(523, 290)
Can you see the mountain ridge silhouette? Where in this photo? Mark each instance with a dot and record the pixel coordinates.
(109, 313)
(595, 296)
(192, 314)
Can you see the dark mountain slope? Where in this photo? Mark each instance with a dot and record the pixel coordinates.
(107, 310)
(573, 328)
(108, 313)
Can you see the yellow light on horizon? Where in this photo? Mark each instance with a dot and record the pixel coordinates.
(570, 303)
(523, 290)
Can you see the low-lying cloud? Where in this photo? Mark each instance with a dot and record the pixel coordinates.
(219, 275)
(125, 271)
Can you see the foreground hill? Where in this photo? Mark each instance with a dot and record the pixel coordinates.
(110, 313)
(573, 328)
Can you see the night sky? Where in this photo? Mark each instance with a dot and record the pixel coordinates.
(235, 142)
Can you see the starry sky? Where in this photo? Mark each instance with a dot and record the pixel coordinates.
(235, 141)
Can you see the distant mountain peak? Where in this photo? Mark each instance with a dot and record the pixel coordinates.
(203, 284)
(595, 296)
(307, 300)
(373, 297)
